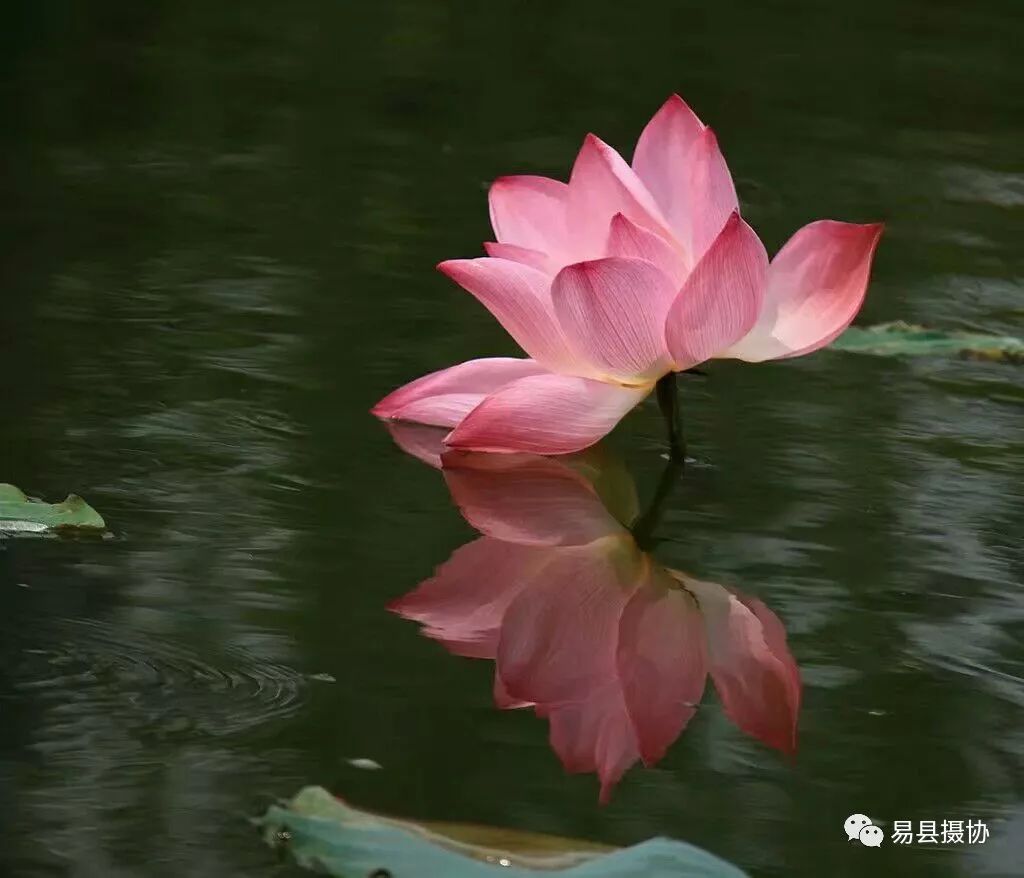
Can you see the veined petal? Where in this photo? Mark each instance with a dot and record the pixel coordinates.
(816, 286)
(713, 194)
(661, 151)
(662, 662)
(721, 298)
(519, 297)
(594, 735)
(602, 185)
(445, 397)
(529, 212)
(524, 255)
(678, 159)
(557, 652)
(627, 239)
(527, 499)
(546, 414)
(788, 671)
(558, 635)
(612, 311)
(463, 604)
(758, 683)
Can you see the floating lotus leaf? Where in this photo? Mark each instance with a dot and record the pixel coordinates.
(20, 514)
(326, 834)
(906, 339)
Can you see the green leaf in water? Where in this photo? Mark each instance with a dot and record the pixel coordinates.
(326, 834)
(906, 339)
(19, 514)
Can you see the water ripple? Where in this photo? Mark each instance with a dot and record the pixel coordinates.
(150, 687)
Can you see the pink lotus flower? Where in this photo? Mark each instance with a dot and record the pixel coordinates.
(622, 276)
(598, 638)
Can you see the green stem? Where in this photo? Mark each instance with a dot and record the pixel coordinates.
(668, 401)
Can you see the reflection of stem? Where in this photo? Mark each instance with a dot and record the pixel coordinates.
(645, 525)
(668, 401)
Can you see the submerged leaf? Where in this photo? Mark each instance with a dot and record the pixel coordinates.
(324, 833)
(906, 339)
(19, 514)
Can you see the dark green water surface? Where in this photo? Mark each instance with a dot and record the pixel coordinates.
(218, 227)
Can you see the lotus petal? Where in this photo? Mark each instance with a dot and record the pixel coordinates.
(546, 414)
(445, 397)
(721, 299)
(612, 311)
(816, 286)
(662, 662)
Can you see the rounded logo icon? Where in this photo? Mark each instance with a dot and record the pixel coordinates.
(854, 824)
(871, 836)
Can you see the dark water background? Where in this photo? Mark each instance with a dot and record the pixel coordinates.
(218, 225)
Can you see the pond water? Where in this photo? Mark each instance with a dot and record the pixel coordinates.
(219, 228)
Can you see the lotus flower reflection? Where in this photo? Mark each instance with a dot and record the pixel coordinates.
(591, 632)
(622, 276)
